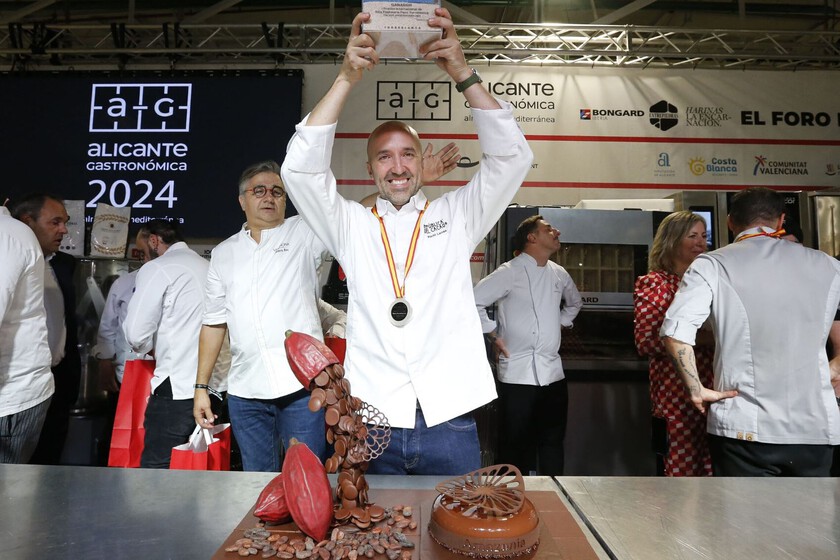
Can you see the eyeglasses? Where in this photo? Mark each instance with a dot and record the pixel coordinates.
(260, 190)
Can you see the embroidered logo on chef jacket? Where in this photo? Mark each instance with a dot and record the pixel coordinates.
(434, 229)
(283, 247)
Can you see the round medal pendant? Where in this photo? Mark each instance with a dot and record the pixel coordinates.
(400, 312)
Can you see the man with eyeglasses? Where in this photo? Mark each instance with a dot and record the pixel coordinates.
(262, 281)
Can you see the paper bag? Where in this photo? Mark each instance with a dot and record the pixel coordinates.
(206, 450)
(128, 434)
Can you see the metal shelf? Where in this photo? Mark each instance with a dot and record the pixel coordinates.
(119, 46)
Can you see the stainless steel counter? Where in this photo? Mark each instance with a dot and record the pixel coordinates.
(711, 518)
(97, 512)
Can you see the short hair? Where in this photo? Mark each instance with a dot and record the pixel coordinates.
(167, 230)
(756, 204)
(390, 126)
(31, 205)
(143, 232)
(668, 236)
(252, 171)
(528, 226)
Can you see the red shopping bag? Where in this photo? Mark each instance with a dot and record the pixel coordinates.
(128, 434)
(206, 450)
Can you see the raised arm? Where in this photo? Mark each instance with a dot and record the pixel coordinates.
(449, 56)
(359, 56)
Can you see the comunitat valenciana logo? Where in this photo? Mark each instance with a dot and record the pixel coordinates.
(664, 115)
(766, 166)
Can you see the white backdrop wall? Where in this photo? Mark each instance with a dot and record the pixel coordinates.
(610, 133)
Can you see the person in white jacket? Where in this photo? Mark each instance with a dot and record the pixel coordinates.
(535, 299)
(414, 344)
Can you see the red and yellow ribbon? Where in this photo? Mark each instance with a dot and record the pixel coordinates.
(777, 234)
(399, 291)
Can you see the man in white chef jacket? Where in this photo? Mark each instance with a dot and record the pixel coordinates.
(414, 345)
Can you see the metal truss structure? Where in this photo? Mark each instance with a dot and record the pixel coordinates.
(120, 46)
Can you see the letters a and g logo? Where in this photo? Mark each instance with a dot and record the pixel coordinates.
(140, 107)
(417, 101)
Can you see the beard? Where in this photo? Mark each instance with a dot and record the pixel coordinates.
(400, 197)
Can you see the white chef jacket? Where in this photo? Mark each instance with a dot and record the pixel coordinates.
(110, 340)
(772, 304)
(54, 306)
(438, 359)
(165, 314)
(25, 376)
(534, 303)
(260, 291)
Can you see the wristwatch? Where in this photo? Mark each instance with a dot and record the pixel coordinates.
(473, 79)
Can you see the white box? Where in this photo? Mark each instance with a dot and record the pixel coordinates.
(399, 28)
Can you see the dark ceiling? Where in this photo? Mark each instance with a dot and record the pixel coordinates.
(810, 15)
(730, 34)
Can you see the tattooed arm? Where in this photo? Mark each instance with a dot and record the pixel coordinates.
(682, 356)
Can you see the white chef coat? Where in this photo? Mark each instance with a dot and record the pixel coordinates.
(772, 304)
(438, 358)
(165, 314)
(534, 303)
(25, 376)
(54, 306)
(260, 291)
(110, 340)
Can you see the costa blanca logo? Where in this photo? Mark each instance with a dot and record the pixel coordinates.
(140, 107)
(664, 115)
(719, 166)
(697, 166)
(414, 101)
(765, 166)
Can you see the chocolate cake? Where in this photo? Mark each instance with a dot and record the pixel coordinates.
(485, 514)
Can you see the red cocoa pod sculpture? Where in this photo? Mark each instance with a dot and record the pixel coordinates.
(308, 492)
(271, 506)
(307, 356)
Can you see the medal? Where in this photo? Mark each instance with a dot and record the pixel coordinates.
(399, 312)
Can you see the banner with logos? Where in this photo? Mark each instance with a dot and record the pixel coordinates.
(610, 133)
(164, 145)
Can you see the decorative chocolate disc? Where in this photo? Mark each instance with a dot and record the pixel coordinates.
(497, 490)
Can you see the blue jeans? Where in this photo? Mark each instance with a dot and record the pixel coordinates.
(448, 449)
(263, 428)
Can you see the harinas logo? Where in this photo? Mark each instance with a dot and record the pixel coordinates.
(414, 101)
(434, 228)
(140, 107)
